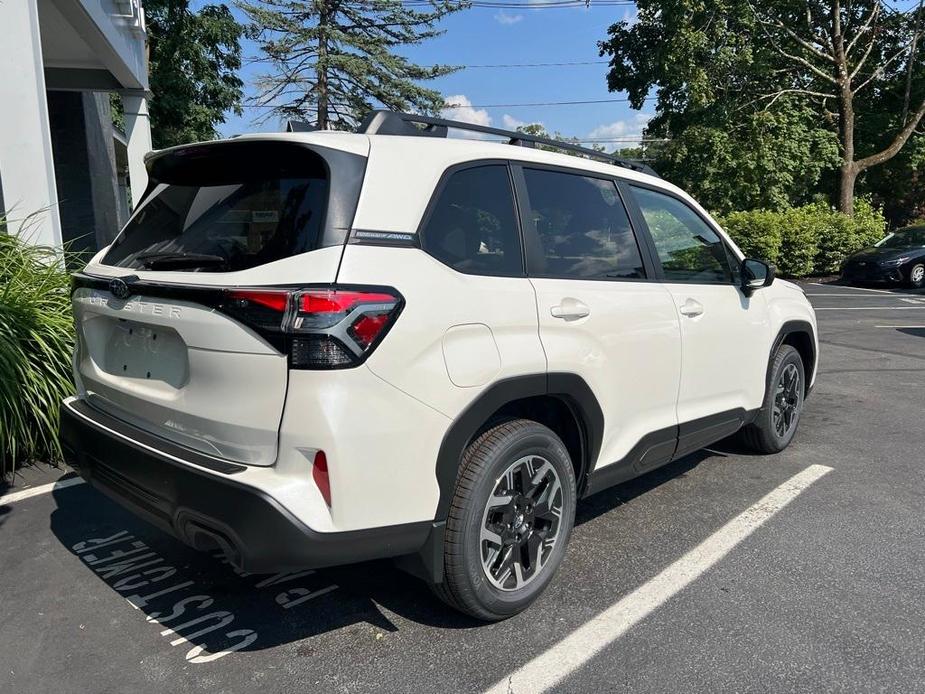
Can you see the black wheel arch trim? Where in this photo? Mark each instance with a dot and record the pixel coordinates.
(570, 388)
(791, 327)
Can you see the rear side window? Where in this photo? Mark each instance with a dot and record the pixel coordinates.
(689, 250)
(224, 209)
(472, 226)
(582, 227)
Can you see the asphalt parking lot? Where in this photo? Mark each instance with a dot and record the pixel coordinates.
(721, 572)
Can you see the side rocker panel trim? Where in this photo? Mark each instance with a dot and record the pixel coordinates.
(667, 445)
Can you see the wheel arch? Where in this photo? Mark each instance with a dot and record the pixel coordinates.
(800, 335)
(542, 397)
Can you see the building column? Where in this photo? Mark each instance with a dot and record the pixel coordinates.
(26, 162)
(138, 136)
(81, 138)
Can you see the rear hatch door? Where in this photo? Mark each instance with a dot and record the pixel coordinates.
(162, 343)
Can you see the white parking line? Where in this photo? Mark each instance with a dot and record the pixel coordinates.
(555, 664)
(888, 295)
(37, 491)
(869, 308)
(904, 327)
(857, 289)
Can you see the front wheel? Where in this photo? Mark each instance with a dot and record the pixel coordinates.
(777, 420)
(917, 276)
(510, 520)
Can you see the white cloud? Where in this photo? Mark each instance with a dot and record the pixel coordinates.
(627, 131)
(507, 19)
(460, 108)
(631, 17)
(511, 123)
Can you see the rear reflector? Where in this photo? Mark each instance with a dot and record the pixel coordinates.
(320, 476)
(319, 352)
(323, 328)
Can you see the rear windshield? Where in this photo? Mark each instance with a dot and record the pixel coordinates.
(226, 208)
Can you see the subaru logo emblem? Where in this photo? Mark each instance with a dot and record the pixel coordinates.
(119, 289)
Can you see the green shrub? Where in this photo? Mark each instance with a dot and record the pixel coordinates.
(36, 340)
(801, 229)
(757, 232)
(810, 240)
(844, 235)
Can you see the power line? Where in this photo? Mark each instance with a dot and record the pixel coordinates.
(548, 103)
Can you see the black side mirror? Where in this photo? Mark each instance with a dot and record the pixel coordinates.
(755, 275)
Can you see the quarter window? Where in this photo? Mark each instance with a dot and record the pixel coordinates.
(472, 226)
(582, 227)
(689, 250)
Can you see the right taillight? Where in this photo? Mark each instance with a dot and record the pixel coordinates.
(321, 328)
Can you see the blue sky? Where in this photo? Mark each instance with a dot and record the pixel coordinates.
(480, 36)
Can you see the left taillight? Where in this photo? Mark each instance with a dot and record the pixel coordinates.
(320, 328)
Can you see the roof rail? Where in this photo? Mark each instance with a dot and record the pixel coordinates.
(297, 126)
(382, 122)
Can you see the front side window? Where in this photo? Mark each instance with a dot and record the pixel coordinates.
(689, 250)
(472, 226)
(582, 227)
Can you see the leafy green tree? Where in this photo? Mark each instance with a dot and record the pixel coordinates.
(194, 58)
(762, 159)
(330, 61)
(820, 68)
(539, 130)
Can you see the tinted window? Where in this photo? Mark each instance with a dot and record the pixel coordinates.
(688, 248)
(472, 226)
(582, 227)
(223, 214)
(904, 238)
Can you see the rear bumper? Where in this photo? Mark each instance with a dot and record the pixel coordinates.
(198, 500)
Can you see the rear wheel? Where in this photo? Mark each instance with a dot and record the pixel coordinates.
(510, 520)
(777, 421)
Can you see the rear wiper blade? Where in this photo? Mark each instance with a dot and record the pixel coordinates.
(161, 261)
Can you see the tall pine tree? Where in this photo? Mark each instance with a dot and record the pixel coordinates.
(330, 61)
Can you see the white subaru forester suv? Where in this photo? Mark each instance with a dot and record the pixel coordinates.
(319, 348)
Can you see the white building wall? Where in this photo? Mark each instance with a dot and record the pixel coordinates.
(27, 171)
(138, 136)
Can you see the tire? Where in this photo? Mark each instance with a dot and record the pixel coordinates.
(772, 432)
(917, 276)
(480, 576)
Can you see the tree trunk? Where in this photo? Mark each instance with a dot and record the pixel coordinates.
(321, 67)
(849, 171)
(848, 176)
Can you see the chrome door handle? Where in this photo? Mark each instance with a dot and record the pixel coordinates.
(691, 308)
(570, 309)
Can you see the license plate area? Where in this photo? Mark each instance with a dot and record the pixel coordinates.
(146, 352)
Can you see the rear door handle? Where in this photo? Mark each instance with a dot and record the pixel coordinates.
(691, 308)
(570, 309)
